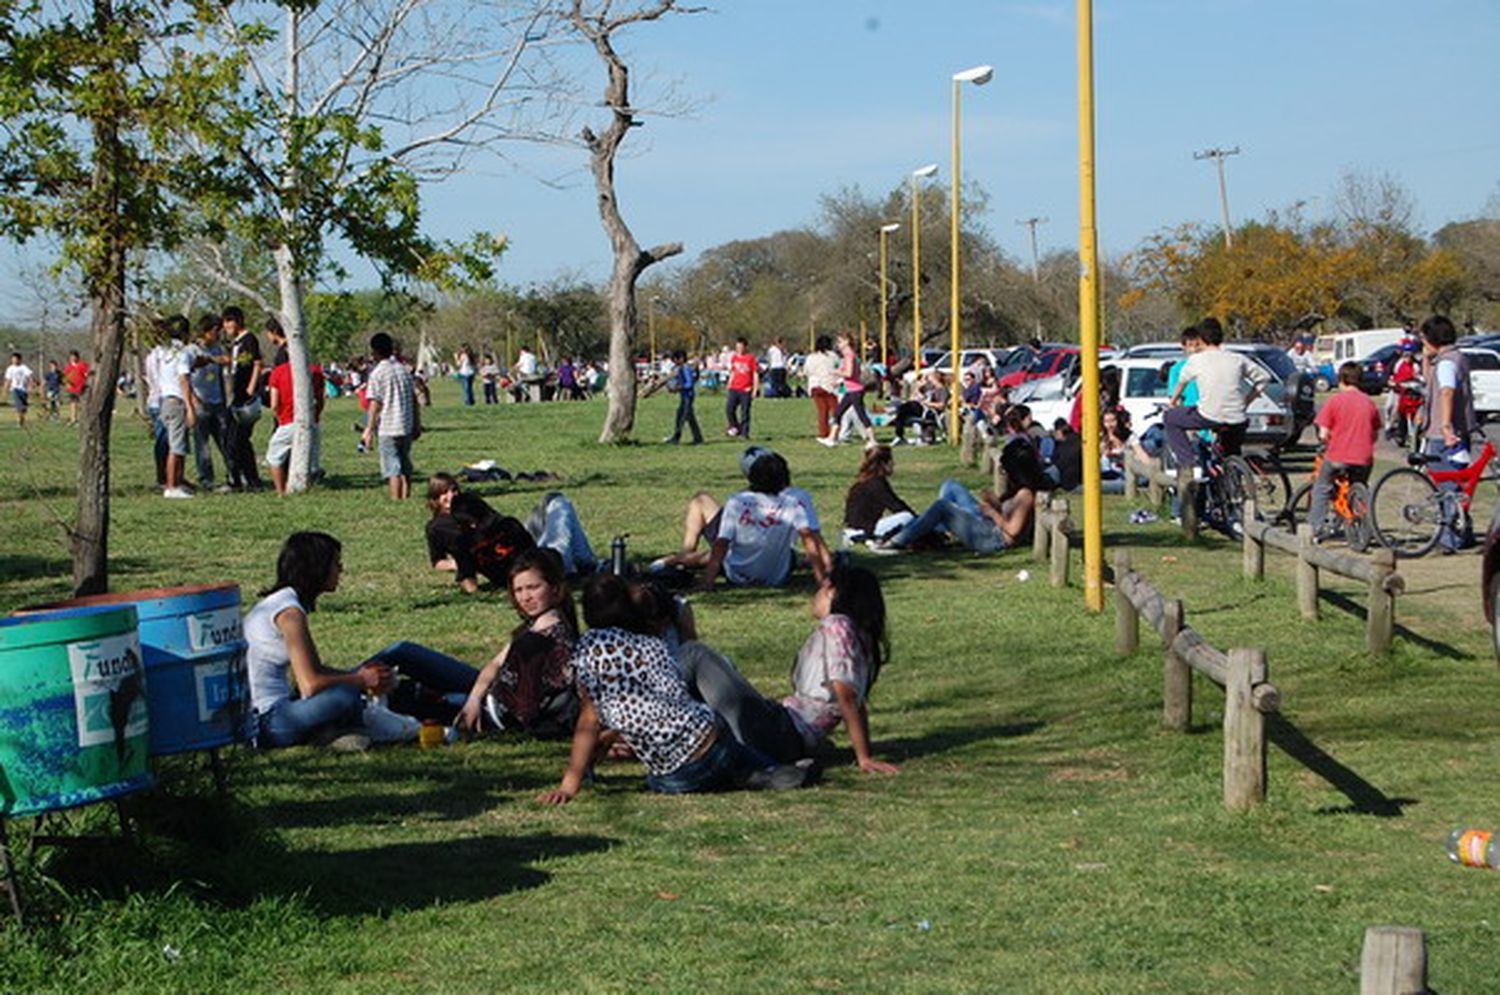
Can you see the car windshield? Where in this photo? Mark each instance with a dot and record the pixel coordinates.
(1145, 381)
(1018, 360)
(1279, 362)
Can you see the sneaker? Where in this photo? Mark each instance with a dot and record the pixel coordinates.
(224, 489)
(386, 726)
(783, 777)
(897, 441)
(176, 492)
(670, 441)
(884, 547)
(828, 441)
(342, 739)
(493, 712)
(1197, 474)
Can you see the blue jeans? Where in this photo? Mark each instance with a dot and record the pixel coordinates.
(686, 418)
(957, 513)
(213, 423)
(725, 765)
(296, 720)
(158, 440)
(466, 381)
(554, 523)
(737, 411)
(437, 671)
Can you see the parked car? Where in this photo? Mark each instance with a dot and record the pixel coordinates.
(1291, 395)
(969, 357)
(1050, 362)
(1484, 381)
(1375, 369)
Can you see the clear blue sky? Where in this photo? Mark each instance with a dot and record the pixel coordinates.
(797, 98)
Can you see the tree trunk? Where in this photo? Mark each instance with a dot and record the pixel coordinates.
(289, 283)
(106, 281)
(619, 418)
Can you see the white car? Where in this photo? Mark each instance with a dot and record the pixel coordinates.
(1484, 381)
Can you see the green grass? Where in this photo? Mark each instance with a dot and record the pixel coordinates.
(1044, 835)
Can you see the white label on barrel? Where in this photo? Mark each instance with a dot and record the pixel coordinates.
(216, 682)
(214, 630)
(109, 689)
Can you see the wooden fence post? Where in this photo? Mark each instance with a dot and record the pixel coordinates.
(1244, 731)
(1307, 574)
(1132, 489)
(1176, 675)
(1058, 526)
(1380, 617)
(969, 443)
(1041, 528)
(997, 471)
(1127, 619)
(1153, 487)
(1393, 962)
(1187, 499)
(1254, 554)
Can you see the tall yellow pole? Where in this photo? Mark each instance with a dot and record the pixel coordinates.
(917, 175)
(863, 332)
(956, 387)
(1088, 316)
(885, 288)
(651, 327)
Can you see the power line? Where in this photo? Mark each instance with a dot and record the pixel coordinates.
(1218, 155)
(1032, 223)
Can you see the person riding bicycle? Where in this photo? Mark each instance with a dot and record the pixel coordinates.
(1404, 401)
(1223, 395)
(1348, 426)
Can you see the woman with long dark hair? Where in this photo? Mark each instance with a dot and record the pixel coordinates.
(872, 509)
(831, 677)
(854, 394)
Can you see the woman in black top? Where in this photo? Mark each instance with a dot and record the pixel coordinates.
(469, 537)
(872, 508)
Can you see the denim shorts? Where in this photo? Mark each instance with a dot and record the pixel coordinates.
(395, 456)
(18, 399)
(726, 763)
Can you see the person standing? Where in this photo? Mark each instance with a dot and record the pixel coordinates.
(19, 378)
(159, 367)
(776, 369)
(52, 385)
(684, 384)
(850, 375)
(175, 415)
(528, 376)
(464, 361)
(744, 381)
(393, 416)
(246, 368)
(75, 377)
(1347, 427)
(489, 375)
(822, 370)
(201, 372)
(283, 410)
(1448, 415)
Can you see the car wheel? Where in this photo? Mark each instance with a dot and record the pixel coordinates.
(1322, 384)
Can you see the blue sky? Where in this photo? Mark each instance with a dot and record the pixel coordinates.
(797, 98)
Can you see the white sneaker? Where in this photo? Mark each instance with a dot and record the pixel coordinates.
(177, 492)
(827, 441)
(386, 726)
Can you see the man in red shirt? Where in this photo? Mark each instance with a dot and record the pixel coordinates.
(744, 380)
(1347, 426)
(75, 377)
(279, 449)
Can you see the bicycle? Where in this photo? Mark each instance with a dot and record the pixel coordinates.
(1348, 510)
(1409, 506)
(1228, 480)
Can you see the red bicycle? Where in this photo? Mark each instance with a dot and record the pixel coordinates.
(1409, 506)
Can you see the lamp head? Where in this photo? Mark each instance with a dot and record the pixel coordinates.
(887, 229)
(978, 75)
(922, 172)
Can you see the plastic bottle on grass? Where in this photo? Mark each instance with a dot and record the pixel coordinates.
(1474, 848)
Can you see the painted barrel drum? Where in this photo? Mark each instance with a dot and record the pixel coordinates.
(73, 716)
(194, 648)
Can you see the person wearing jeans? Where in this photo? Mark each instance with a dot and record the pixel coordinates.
(554, 524)
(986, 526)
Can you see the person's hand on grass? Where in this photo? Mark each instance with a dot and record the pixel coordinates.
(557, 796)
(872, 766)
(468, 716)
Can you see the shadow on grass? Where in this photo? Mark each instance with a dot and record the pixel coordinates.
(1347, 604)
(943, 740)
(1364, 797)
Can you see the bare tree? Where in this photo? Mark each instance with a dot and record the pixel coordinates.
(597, 23)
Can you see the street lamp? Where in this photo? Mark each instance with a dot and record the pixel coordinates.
(978, 75)
(921, 173)
(885, 231)
(651, 303)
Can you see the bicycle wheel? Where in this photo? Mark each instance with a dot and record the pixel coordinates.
(1358, 530)
(1295, 512)
(1239, 482)
(1273, 488)
(1405, 512)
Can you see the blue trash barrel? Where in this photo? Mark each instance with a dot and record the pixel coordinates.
(194, 647)
(73, 716)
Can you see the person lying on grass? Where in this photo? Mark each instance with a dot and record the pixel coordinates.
(628, 682)
(831, 677)
(469, 537)
(530, 683)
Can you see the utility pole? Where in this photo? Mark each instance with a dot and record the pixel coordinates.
(1036, 276)
(1218, 155)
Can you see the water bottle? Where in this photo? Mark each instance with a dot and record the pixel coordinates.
(1474, 848)
(617, 556)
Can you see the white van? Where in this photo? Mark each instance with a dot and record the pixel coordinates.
(1332, 351)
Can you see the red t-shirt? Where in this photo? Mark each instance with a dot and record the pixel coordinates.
(281, 382)
(1353, 422)
(741, 371)
(75, 375)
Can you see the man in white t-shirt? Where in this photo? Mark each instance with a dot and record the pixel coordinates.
(18, 377)
(1227, 383)
(776, 369)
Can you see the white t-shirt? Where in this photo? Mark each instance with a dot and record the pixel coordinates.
(266, 657)
(822, 369)
(775, 358)
(1221, 376)
(526, 364)
(19, 376)
(833, 653)
(760, 529)
(161, 371)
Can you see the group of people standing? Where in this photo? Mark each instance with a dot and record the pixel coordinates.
(56, 382)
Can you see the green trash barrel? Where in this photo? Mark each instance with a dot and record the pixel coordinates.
(73, 720)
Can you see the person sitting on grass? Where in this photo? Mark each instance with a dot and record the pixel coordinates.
(872, 509)
(831, 678)
(751, 535)
(529, 684)
(469, 537)
(628, 682)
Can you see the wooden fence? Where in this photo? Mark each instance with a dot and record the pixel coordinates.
(1377, 572)
(1158, 482)
(1249, 694)
(1051, 532)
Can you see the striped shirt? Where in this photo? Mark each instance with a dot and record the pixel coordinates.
(391, 384)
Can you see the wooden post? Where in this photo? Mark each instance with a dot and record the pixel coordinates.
(1176, 675)
(1001, 482)
(1254, 552)
(1132, 490)
(1244, 731)
(1153, 488)
(1059, 526)
(968, 442)
(1307, 574)
(1041, 530)
(1380, 616)
(1127, 619)
(1393, 962)
(1187, 497)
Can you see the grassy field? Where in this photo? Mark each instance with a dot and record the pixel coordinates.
(1043, 835)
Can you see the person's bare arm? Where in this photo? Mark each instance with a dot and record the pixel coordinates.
(856, 720)
(715, 564)
(585, 740)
